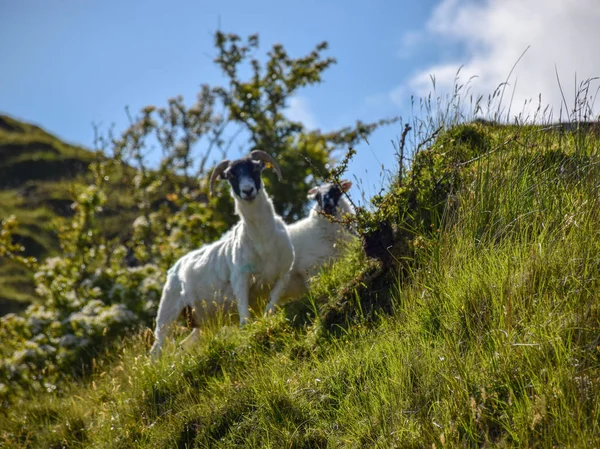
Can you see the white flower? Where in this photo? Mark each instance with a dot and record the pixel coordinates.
(140, 222)
(68, 340)
(23, 355)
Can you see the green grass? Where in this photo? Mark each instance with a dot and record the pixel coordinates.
(493, 339)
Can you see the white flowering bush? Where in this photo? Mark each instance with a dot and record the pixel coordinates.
(60, 337)
(89, 297)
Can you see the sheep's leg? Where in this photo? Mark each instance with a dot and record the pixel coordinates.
(240, 286)
(168, 311)
(190, 339)
(278, 288)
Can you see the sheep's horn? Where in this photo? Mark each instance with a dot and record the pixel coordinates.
(261, 155)
(216, 172)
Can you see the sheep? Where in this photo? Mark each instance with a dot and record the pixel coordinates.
(317, 240)
(257, 251)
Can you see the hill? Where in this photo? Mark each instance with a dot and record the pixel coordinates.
(36, 171)
(475, 323)
(37, 174)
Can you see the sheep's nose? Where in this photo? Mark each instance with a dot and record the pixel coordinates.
(248, 190)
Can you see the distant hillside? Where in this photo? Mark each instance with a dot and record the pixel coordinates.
(36, 171)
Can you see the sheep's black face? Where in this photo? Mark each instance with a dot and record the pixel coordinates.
(244, 177)
(328, 200)
(328, 196)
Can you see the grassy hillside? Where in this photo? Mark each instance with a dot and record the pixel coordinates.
(479, 328)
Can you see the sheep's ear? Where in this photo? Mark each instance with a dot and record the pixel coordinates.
(346, 184)
(312, 193)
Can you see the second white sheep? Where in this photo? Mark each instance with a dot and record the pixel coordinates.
(318, 240)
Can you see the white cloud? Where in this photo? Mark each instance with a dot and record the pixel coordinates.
(299, 111)
(561, 35)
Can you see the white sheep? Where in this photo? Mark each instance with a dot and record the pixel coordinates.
(256, 252)
(318, 240)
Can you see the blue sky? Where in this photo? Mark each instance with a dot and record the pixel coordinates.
(67, 63)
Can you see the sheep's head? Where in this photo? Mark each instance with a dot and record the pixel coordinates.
(244, 174)
(328, 195)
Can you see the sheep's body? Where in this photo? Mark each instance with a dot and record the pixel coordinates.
(257, 251)
(317, 240)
